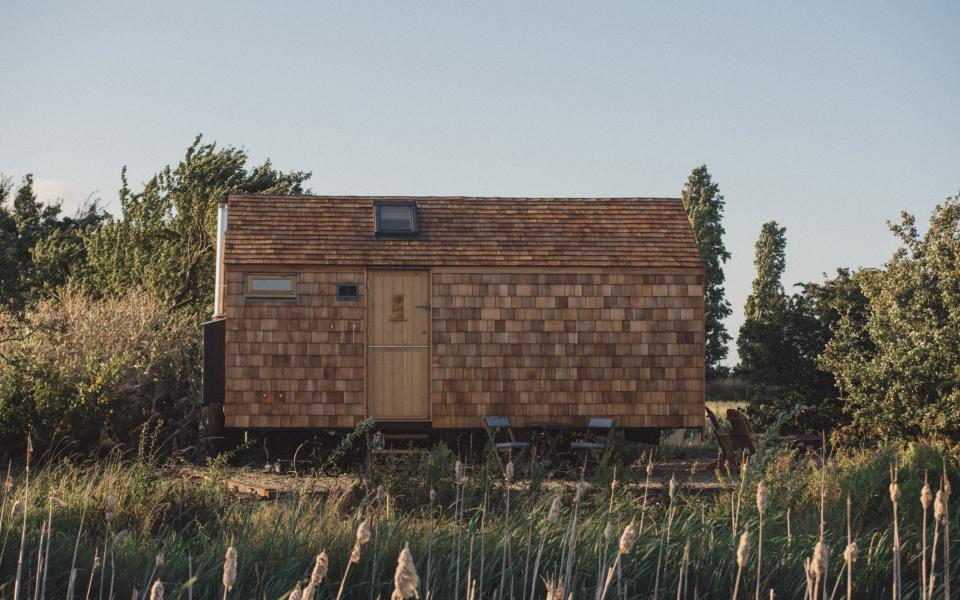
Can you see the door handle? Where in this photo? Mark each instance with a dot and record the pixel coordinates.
(425, 306)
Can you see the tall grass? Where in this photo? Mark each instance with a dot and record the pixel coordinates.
(217, 544)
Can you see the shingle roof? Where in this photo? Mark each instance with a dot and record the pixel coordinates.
(463, 231)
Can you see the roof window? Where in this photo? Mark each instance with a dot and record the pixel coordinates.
(396, 218)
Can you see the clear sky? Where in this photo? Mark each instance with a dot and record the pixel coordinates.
(828, 117)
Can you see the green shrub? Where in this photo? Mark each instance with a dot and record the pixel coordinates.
(79, 373)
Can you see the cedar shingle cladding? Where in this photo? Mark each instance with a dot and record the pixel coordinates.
(295, 364)
(567, 346)
(525, 232)
(542, 309)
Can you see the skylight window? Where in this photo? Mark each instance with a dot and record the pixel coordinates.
(396, 218)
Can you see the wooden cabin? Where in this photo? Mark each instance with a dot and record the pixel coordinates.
(442, 310)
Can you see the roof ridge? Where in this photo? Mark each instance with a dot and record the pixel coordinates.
(401, 197)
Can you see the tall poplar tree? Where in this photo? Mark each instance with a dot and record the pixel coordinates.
(704, 205)
(767, 298)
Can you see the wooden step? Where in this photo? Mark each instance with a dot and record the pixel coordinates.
(405, 436)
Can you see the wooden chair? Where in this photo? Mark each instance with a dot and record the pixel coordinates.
(501, 435)
(746, 439)
(596, 440)
(724, 440)
(742, 433)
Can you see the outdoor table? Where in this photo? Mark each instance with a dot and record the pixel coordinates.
(550, 433)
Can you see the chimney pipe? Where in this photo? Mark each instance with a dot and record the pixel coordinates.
(218, 276)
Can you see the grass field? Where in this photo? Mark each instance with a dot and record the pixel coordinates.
(115, 526)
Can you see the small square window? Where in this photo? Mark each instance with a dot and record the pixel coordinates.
(348, 291)
(396, 218)
(263, 285)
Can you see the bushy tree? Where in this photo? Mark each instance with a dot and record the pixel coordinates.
(164, 240)
(783, 336)
(704, 205)
(39, 247)
(898, 364)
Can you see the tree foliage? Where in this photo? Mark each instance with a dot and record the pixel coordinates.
(783, 336)
(164, 240)
(897, 364)
(704, 205)
(39, 247)
(770, 260)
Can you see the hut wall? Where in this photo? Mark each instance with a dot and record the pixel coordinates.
(295, 364)
(534, 346)
(567, 346)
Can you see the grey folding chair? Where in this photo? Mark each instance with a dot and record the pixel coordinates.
(501, 435)
(596, 440)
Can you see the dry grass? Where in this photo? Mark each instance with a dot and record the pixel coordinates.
(116, 527)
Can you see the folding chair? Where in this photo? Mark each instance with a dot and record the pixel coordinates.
(498, 428)
(596, 440)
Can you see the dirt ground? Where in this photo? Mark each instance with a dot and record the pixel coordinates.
(695, 472)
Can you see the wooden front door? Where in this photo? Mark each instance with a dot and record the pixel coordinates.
(398, 351)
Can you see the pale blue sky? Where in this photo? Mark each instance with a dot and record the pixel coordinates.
(828, 117)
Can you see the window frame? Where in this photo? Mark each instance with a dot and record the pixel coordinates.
(414, 229)
(250, 294)
(345, 297)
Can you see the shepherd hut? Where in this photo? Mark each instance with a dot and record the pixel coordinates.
(439, 311)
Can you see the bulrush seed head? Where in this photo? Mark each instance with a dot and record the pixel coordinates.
(850, 553)
(743, 549)
(458, 471)
(17, 508)
(761, 498)
(627, 539)
(673, 486)
(925, 496)
(821, 553)
(363, 536)
(581, 489)
(320, 567)
(554, 513)
(608, 532)
(939, 505)
(405, 578)
(296, 594)
(230, 568)
(554, 590)
(894, 492)
(111, 511)
(363, 533)
(159, 561)
(433, 495)
(508, 470)
(156, 592)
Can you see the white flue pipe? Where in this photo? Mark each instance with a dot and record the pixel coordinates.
(218, 276)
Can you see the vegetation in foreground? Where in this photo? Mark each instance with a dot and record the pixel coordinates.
(108, 528)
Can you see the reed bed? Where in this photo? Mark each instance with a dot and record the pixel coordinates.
(119, 529)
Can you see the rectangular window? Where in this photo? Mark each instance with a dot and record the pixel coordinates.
(396, 218)
(348, 291)
(271, 285)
